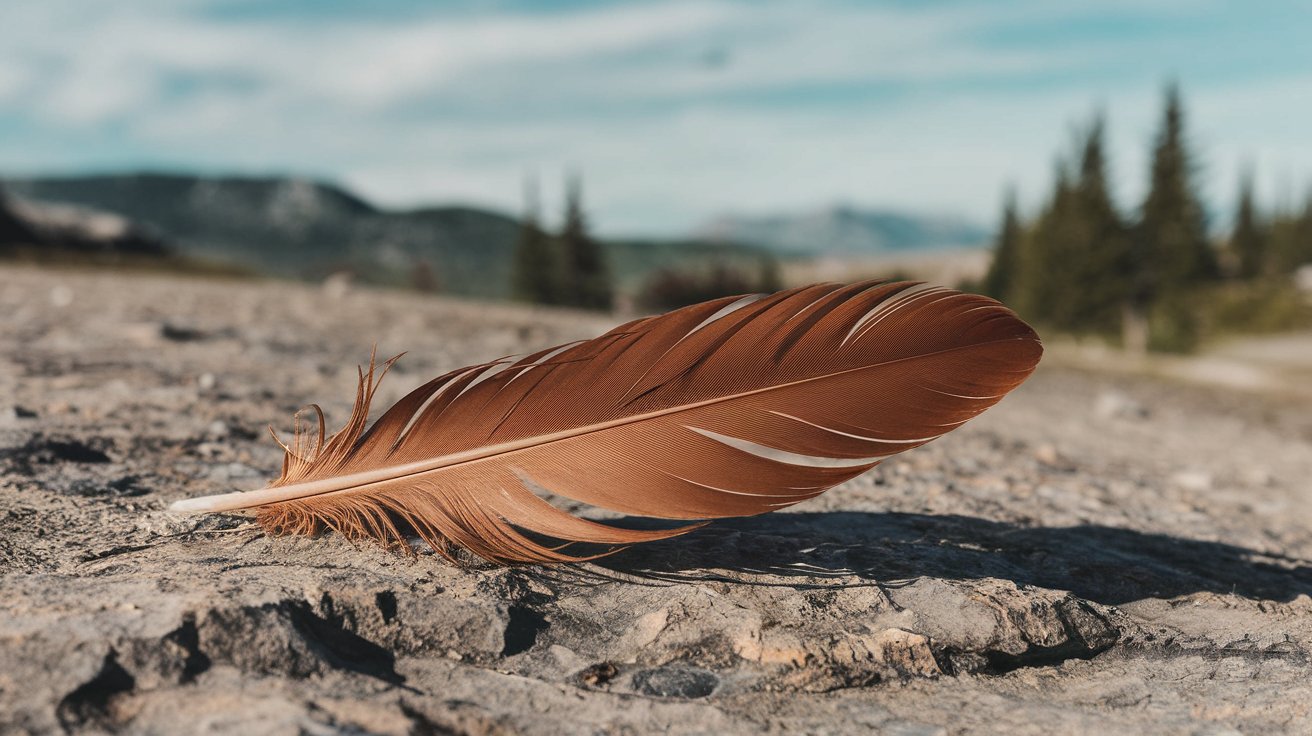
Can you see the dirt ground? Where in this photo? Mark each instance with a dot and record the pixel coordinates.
(1102, 552)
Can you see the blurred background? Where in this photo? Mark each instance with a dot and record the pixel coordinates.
(1132, 174)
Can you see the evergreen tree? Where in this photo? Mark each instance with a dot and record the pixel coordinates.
(1071, 272)
(769, 279)
(1039, 285)
(1171, 250)
(1291, 239)
(1248, 242)
(1301, 250)
(1096, 283)
(1004, 268)
(586, 281)
(536, 273)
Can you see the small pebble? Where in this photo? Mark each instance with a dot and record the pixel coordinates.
(61, 296)
(1192, 480)
(1116, 405)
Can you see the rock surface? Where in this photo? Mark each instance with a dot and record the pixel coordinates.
(1055, 566)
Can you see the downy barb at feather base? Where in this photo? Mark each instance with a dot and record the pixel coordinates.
(733, 407)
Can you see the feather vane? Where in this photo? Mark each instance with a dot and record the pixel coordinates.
(733, 407)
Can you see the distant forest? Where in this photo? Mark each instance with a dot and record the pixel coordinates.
(571, 268)
(1154, 279)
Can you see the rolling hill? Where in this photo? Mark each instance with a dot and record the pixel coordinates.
(299, 228)
(304, 229)
(846, 231)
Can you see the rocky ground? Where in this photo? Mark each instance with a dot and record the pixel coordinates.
(1101, 552)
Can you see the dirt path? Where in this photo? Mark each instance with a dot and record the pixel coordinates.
(1102, 551)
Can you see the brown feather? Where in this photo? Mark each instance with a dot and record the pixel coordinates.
(733, 407)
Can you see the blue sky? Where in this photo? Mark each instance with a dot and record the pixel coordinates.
(674, 112)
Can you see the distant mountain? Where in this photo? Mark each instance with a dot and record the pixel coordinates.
(300, 228)
(845, 231)
(13, 228)
(40, 229)
(634, 261)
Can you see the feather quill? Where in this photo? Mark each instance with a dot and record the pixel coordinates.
(733, 407)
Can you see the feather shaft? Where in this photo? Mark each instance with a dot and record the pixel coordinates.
(247, 499)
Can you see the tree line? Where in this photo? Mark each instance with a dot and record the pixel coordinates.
(1154, 279)
(568, 268)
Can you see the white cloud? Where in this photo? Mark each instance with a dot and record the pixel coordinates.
(815, 102)
(354, 66)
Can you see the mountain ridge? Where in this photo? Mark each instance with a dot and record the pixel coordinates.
(298, 227)
(846, 230)
(303, 228)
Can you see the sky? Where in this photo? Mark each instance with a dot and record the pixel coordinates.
(673, 112)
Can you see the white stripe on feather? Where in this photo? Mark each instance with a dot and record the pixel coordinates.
(783, 456)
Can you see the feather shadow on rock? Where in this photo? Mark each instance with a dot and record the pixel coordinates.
(733, 407)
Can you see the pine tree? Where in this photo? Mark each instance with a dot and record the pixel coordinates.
(1171, 250)
(536, 272)
(586, 281)
(1071, 270)
(1248, 241)
(1302, 248)
(1096, 286)
(1301, 251)
(1004, 268)
(1291, 239)
(1039, 287)
(769, 279)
